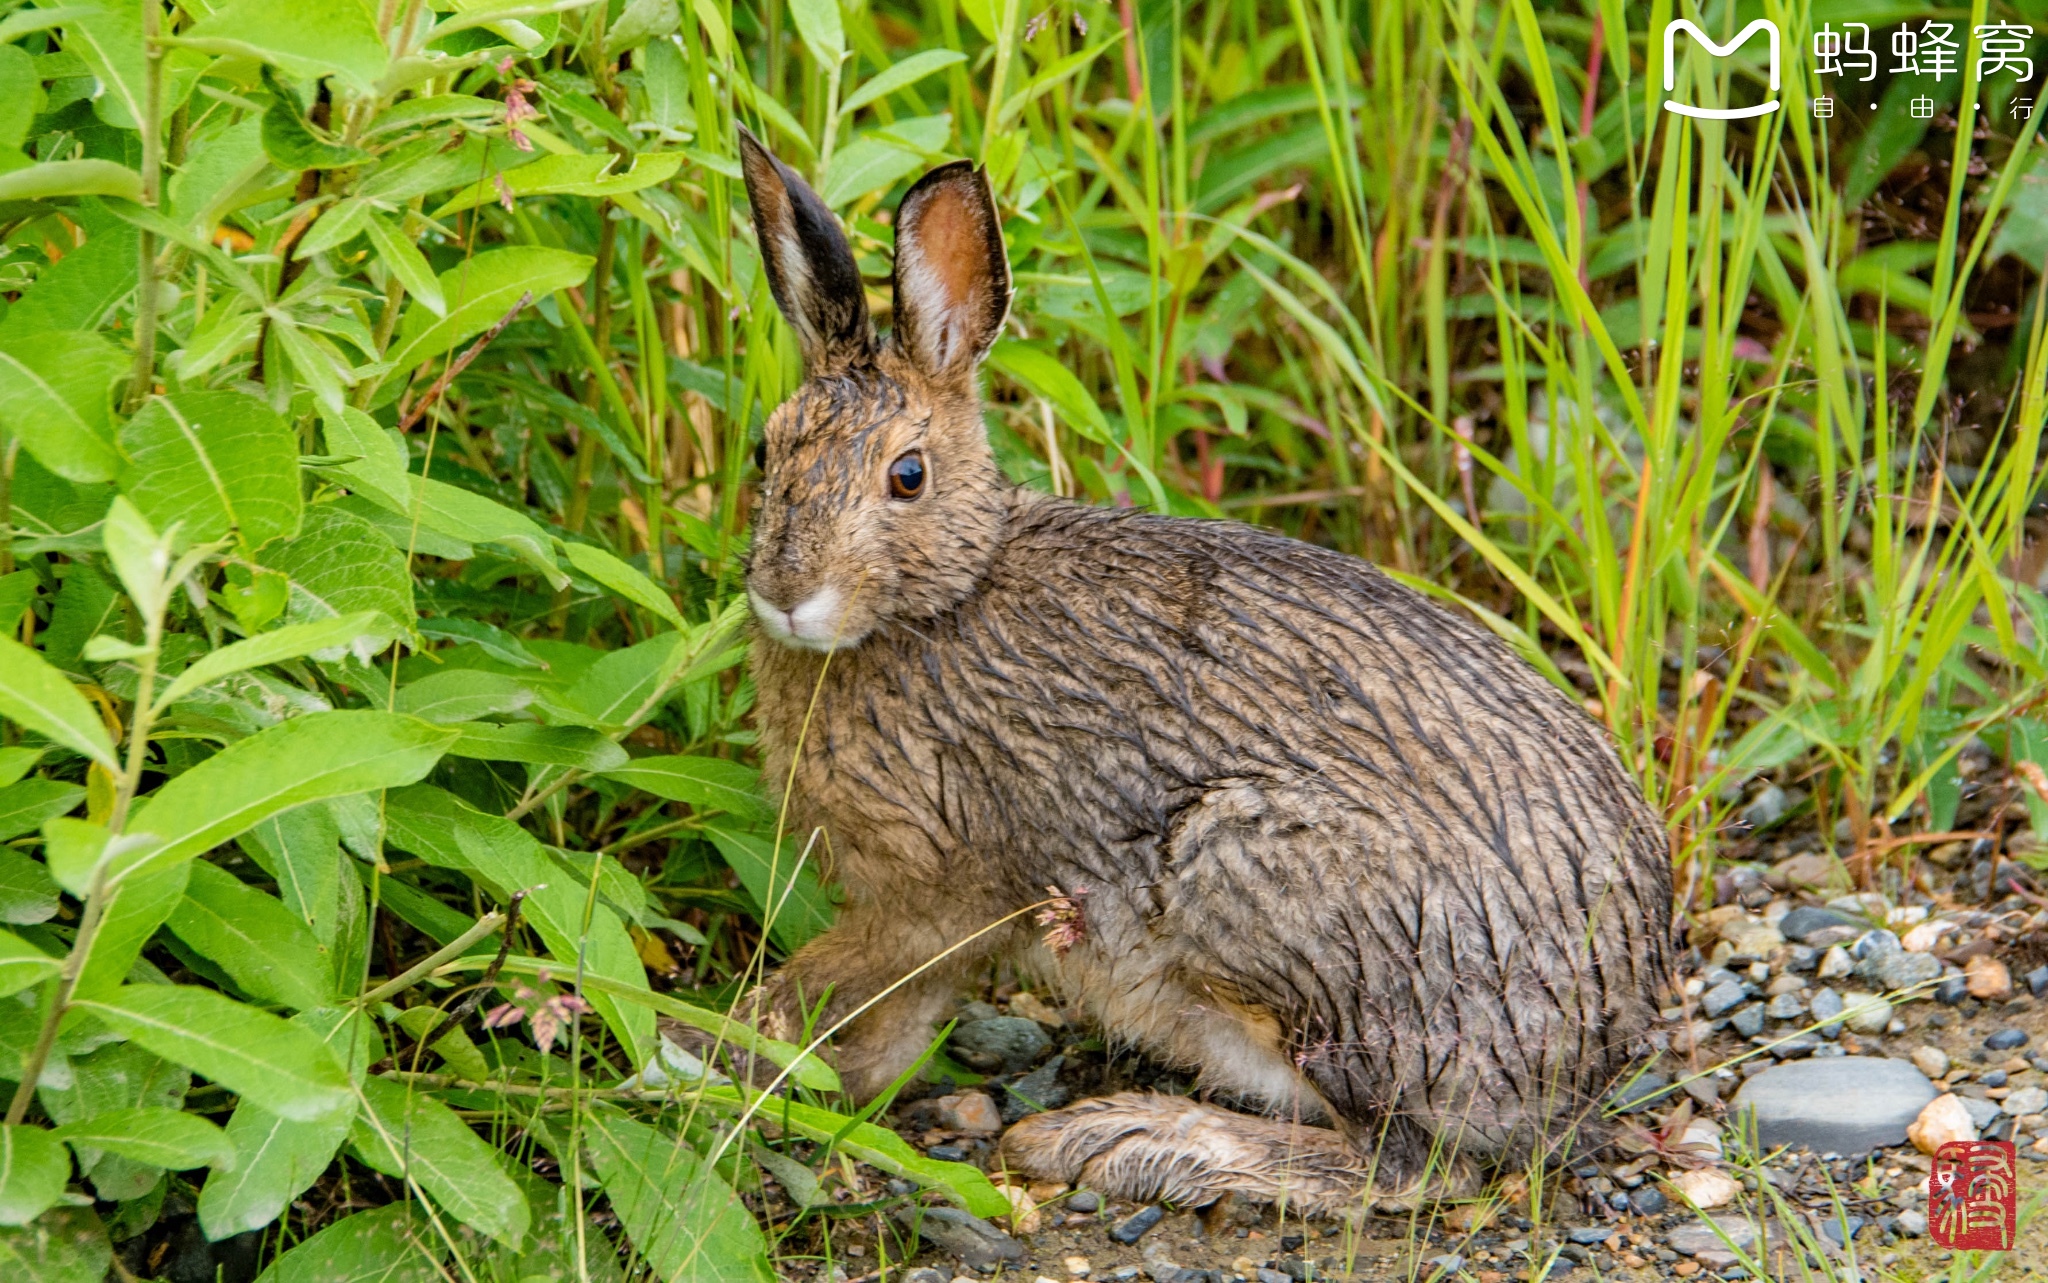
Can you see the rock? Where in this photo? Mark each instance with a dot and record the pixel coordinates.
(1842, 1105)
(1800, 1046)
(1809, 869)
(1865, 1013)
(1133, 1227)
(978, 1244)
(970, 1111)
(1767, 807)
(1926, 935)
(1722, 999)
(1827, 1004)
(1835, 964)
(1943, 1120)
(1805, 920)
(925, 1275)
(1784, 984)
(1707, 1187)
(1086, 1200)
(1833, 1227)
(1637, 1094)
(1951, 991)
(1647, 1201)
(1749, 1022)
(1010, 1042)
(1981, 1111)
(2007, 1040)
(1078, 1267)
(1932, 1061)
(976, 1010)
(1912, 1224)
(2037, 981)
(2026, 1100)
(1696, 1237)
(1799, 957)
(1901, 970)
(947, 1154)
(1032, 1007)
(1752, 936)
(1035, 1092)
(1590, 1235)
(1786, 1006)
(1989, 979)
(1875, 943)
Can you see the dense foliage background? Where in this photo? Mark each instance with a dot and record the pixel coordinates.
(379, 382)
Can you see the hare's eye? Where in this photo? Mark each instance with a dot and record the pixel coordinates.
(906, 476)
(761, 457)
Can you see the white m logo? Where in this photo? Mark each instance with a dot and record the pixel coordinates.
(1671, 31)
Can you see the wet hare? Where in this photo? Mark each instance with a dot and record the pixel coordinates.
(1310, 834)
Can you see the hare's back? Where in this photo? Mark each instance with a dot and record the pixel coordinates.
(1246, 654)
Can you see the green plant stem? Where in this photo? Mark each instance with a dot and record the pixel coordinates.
(98, 894)
(152, 183)
(419, 971)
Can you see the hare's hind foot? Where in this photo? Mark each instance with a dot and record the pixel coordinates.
(1147, 1148)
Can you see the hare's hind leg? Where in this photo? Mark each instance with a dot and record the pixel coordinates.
(1143, 1148)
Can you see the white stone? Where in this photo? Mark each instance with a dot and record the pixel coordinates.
(1945, 1119)
(1865, 1013)
(1835, 964)
(1707, 1187)
(1932, 1061)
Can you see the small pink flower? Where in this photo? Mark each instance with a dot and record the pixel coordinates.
(517, 108)
(1063, 919)
(504, 191)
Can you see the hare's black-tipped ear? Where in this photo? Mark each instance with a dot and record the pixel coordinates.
(952, 279)
(811, 270)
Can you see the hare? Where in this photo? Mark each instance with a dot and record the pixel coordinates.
(1299, 828)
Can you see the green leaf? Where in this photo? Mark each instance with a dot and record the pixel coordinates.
(639, 22)
(390, 1244)
(16, 762)
(159, 1137)
(409, 1133)
(121, 1075)
(878, 1147)
(24, 805)
(107, 34)
(308, 38)
(216, 462)
(67, 1245)
(340, 565)
(38, 698)
(71, 178)
(462, 695)
(55, 396)
(326, 638)
(277, 1159)
(405, 261)
(866, 165)
(505, 858)
(268, 951)
(624, 580)
(707, 783)
(575, 746)
(899, 76)
(282, 1067)
(479, 292)
(817, 21)
(290, 140)
(79, 291)
(305, 759)
(33, 1169)
(28, 895)
(794, 906)
(570, 174)
(623, 689)
(301, 850)
(23, 965)
(680, 1216)
(21, 94)
(1043, 375)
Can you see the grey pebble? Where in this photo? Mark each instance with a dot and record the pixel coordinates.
(1805, 920)
(1912, 1224)
(1749, 1022)
(1844, 1105)
(1638, 1094)
(1590, 1235)
(976, 1242)
(1722, 999)
(1134, 1226)
(1012, 1042)
(925, 1275)
(1952, 991)
(1648, 1201)
(2037, 980)
(2007, 1040)
(1084, 1200)
(1899, 970)
(1786, 1006)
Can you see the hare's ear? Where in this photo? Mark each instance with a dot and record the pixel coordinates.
(952, 279)
(812, 272)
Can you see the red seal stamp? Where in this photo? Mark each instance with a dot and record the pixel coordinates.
(1973, 1195)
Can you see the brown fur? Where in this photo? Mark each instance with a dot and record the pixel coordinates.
(1331, 845)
